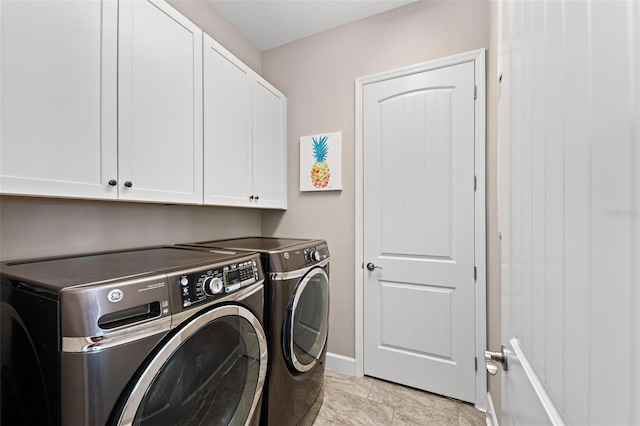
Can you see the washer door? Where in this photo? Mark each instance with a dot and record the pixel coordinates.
(210, 372)
(307, 320)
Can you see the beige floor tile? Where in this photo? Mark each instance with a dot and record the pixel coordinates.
(423, 415)
(354, 385)
(402, 396)
(367, 401)
(342, 408)
(469, 416)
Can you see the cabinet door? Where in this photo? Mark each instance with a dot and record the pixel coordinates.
(269, 146)
(160, 104)
(58, 104)
(227, 131)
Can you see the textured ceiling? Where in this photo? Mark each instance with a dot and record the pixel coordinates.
(271, 23)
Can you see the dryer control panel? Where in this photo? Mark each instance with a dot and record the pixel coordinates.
(217, 281)
(316, 254)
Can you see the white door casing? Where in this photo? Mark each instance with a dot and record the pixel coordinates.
(420, 136)
(569, 178)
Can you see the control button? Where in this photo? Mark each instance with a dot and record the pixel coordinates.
(184, 281)
(232, 288)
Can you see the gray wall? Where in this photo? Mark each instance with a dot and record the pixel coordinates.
(33, 227)
(221, 30)
(317, 74)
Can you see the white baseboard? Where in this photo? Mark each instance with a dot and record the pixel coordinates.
(492, 419)
(341, 363)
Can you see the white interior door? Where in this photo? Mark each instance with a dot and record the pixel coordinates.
(418, 234)
(569, 182)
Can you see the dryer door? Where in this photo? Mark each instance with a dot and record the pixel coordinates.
(210, 372)
(307, 321)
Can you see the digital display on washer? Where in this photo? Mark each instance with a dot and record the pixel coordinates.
(210, 283)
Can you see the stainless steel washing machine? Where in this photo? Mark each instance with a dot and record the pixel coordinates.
(154, 336)
(297, 320)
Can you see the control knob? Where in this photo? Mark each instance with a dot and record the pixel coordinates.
(314, 255)
(212, 285)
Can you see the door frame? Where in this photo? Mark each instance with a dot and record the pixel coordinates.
(478, 58)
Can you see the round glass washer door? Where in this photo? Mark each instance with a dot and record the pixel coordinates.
(307, 321)
(209, 373)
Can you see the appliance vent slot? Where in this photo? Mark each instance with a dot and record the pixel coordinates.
(129, 316)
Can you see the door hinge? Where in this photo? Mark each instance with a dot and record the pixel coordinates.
(476, 363)
(475, 273)
(475, 92)
(475, 183)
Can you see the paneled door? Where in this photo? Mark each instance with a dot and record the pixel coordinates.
(569, 178)
(418, 234)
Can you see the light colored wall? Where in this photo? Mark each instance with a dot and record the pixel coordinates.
(317, 74)
(33, 227)
(201, 13)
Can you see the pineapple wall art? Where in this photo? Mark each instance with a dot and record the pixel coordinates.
(321, 162)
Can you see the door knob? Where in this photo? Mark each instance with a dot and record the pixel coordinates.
(371, 266)
(491, 357)
(128, 184)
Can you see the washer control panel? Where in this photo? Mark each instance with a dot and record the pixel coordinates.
(316, 254)
(199, 286)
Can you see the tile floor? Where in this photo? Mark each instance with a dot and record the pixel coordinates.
(367, 401)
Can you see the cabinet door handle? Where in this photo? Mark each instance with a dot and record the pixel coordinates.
(128, 184)
(113, 182)
(251, 197)
(257, 198)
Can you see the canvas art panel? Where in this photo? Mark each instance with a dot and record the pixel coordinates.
(321, 162)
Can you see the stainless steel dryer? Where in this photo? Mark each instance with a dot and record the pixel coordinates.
(154, 336)
(297, 318)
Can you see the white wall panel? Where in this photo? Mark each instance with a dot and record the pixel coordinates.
(417, 174)
(431, 306)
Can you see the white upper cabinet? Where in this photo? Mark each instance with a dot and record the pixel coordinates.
(104, 100)
(244, 134)
(160, 104)
(269, 145)
(58, 103)
(227, 128)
